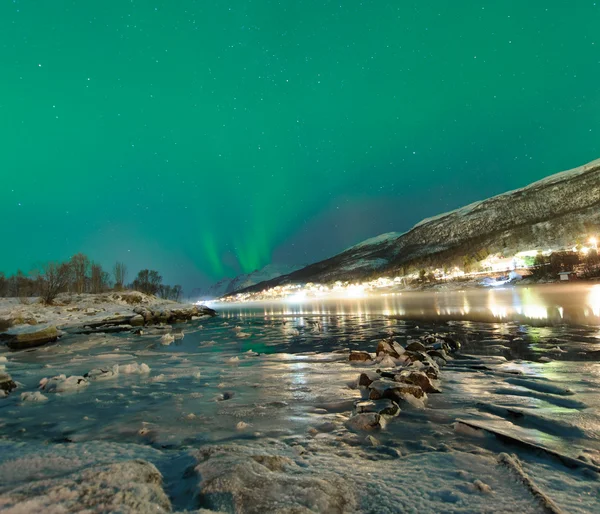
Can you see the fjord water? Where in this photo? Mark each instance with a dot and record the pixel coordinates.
(275, 378)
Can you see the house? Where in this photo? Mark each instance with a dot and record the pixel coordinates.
(567, 276)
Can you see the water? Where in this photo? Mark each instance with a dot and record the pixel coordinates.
(276, 379)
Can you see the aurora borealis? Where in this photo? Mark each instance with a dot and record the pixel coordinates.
(205, 138)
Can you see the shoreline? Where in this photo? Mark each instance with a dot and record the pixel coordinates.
(25, 324)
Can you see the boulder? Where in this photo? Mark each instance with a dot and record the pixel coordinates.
(422, 357)
(393, 390)
(418, 378)
(245, 480)
(357, 356)
(103, 374)
(416, 346)
(33, 397)
(365, 379)
(391, 348)
(382, 407)
(7, 384)
(126, 487)
(62, 384)
(137, 321)
(365, 421)
(386, 361)
(440, 354)
(452, 343)
(23, 340)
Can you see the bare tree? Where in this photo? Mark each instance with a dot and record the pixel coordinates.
(177, 291)
(98, 280)
(56, 277)
(80, 265)
(120, 275)
(148, 281)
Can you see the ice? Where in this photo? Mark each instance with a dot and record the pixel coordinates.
(134, 369)
(63, 384)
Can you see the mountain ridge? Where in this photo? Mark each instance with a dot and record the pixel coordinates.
(552, 211)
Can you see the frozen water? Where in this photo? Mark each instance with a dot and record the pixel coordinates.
(251, 424)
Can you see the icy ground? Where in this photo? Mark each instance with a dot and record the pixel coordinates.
(247, 414)
(76, 309)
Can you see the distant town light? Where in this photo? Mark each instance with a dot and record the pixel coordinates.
(594, 242)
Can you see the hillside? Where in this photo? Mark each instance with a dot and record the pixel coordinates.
(231, 285)
(554, 212)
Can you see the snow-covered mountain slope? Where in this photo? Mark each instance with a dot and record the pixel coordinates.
(552, 212)
(229, 285)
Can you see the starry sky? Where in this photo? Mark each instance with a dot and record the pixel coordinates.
(208, 138)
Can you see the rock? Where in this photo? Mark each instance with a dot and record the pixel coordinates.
(7, 384)
(371, 441)
(418, 378)
(432, 372)
(386, 361)
(137, 321)
(359, 356)
(34, 397)
(23, 340)
(439, 354)
(421, 357)
(133, 369)
(416, 346)
(242, 480)
(393, 390)
(62, 384)
(383, 407)
(451, 342)
(365, 421)
(385, 347)
(365, 379)
(127, 487)
(103, 374)
(167, 339)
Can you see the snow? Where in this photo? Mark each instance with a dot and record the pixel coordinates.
(382, 238)
(545, 182)
(134, 369)
(78, 309)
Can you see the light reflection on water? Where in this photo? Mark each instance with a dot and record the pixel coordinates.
(539, 304)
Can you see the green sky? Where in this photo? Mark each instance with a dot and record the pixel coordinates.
(206, 138)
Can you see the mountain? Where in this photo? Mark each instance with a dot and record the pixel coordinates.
(229, 285)
(555, 212)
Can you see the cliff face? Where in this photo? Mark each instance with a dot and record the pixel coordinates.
(555, 211)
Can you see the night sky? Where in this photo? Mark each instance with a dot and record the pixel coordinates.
(207, 138)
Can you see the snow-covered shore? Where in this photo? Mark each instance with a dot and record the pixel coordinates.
(78, 310)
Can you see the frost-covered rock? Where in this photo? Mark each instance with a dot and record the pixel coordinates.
(418, 378)
(103, 374)
(367, 378)
(236, 479)
(383, 407)
(134, 369)
(167, 339)
(392, 390)
(29, 337)
(129, 487)
(62, 384)
(385, 361)
(391, 348)
(34, 397)
(365, 421)
(7, 384)
(358, 356)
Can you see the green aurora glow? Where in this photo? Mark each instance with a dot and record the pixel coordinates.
(205, 138)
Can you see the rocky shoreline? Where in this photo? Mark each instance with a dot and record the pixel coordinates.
(404, 374)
